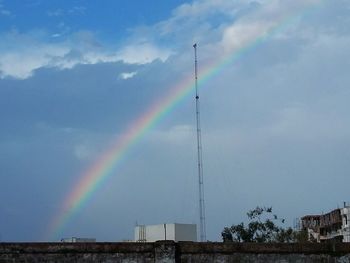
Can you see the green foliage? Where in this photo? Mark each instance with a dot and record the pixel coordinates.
(262, 228)
(302, 236)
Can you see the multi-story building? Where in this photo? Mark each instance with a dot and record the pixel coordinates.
(345, 213)
(311, 224)
(333, 225)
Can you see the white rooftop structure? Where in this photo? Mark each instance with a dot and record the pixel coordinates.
(175, 232)
(78, 240)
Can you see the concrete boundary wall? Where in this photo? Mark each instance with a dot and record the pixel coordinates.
(171, 252)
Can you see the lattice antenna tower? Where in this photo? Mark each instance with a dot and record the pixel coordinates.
(202, 226)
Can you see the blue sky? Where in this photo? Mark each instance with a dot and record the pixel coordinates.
(112, 19)
(75, 74)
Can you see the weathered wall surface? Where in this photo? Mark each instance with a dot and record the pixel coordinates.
(77, 252)
(170, 252)
(261, 253)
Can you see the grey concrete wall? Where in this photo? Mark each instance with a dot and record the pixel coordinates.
(170, 252)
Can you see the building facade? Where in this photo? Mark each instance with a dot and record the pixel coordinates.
(332, 226)
(311, 224)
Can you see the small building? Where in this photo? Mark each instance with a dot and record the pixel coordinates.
(78, 240)
(332, 226)
(175, 232)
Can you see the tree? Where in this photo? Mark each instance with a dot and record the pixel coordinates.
(263, 227)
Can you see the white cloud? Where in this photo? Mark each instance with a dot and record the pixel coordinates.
(82, 48)
(271, 16)
(22, 64)
(77, 10)
(56, 35)
(239, 35)
(179, 134)
(83, 152)
(55, 13)
(142, 53)
(28, 54)
(127, 75)
(4, 11)
(81, 10)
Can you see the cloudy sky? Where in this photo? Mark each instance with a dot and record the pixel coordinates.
(74, 75)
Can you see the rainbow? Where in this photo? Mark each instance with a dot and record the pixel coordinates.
(106, 165)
